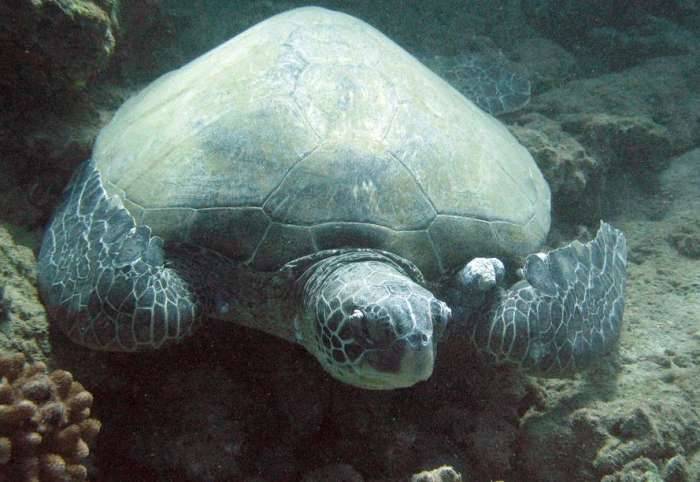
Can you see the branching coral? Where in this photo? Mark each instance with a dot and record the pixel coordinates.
(45, 424)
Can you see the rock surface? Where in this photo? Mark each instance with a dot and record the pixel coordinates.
(23, 324)
(52, 46)
(237, 404)
(651, 92)
(645, 420)
(574, 176)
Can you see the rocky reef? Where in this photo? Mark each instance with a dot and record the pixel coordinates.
(45, 423)
(613, 124)
(24, 326)
(55, 45)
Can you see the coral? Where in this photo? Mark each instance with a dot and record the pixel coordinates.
(45, 424)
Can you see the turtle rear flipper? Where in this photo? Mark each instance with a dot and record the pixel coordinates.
(106, 281)
(565, 314)
(487, 78)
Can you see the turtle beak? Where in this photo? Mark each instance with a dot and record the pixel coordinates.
(419, 357)
(408, 361)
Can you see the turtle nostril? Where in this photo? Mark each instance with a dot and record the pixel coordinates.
(418, 340)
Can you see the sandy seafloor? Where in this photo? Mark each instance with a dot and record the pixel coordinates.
(613, 123)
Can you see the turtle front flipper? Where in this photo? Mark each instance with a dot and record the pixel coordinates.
(105, 280)
(565, 314)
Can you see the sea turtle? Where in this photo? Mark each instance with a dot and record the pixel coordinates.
(311, 179)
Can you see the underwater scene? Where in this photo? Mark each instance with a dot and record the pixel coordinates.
(349, 240)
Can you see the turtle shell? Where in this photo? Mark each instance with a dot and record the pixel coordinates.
(312, 130)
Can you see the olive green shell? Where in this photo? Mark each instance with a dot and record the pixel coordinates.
(312, 130)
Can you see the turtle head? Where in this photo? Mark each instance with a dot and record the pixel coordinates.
(371, 326)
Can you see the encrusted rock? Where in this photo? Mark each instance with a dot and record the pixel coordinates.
(573, 175)
(651, 36)
(686, 238)
(53, 45)
(624, 140)
(649, 92)
(675, 470)
(612, 442)
(23, 323)
(619, 32)
(641, 469)
(52, 50)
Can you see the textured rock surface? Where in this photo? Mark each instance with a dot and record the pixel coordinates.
(237, 404)
(634, 143)
(647, 419)
(54, 45)
(649, 92)
(615, 35)
(42, 147)
(685, 236)
(649, 36)
(573, 175)
(23, 324)
(53, 52)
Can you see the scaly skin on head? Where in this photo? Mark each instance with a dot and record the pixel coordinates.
(368, 323)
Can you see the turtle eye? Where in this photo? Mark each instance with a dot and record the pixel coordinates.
(356, 316)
